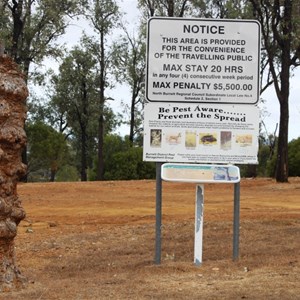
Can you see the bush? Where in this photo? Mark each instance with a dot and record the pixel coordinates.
(129, 165)
(67, 173)
(294, 157)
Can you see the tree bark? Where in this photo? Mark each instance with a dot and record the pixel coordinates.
(282, 171)
(2, 47)
(83, 125)
(101, 120)
(13, 93)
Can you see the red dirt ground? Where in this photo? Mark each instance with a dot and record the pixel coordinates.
(96, 240)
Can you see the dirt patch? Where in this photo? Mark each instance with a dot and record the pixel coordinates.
(95, 240)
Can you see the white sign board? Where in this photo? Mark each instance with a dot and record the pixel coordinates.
(203, 61)
(200, 173)
(201, 133)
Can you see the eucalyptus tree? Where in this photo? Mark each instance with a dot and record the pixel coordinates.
(104, 16)
(74, 105)
(281, 45)
(29, 28)
(75, 96)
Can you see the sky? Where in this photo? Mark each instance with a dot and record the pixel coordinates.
(121, 93)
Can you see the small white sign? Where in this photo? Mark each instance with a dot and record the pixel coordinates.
(203, 61)
(200, 173)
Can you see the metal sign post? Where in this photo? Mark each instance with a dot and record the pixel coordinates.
(236, 221)
(158, 214)
(198, 244)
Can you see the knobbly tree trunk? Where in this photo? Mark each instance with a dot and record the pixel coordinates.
(13, 93)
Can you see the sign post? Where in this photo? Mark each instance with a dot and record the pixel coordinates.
(236, 221)
(198, 244)
(158, 214)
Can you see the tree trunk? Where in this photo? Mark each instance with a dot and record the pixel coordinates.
(83, 125)
(282, 171)
(13, 93)
(2, 47)
(83, 176)
(52, 175)
(100, 167)
(18, 27)
(132, 119)
(135, 93)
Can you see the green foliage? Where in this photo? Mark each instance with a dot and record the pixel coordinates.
(267, 160)
(76, 100)
(47, 151)
(171, 8)
(129, 165)
(263, 158)
(67, 173)
(123, 162)
(294, 157)
(32, 27)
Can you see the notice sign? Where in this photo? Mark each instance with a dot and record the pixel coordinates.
(201, 133)
(203, 61)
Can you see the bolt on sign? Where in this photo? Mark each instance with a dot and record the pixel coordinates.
(203, 61)
(202, 90)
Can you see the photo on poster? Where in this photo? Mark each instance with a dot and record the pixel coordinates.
(226, 140)
(173, 138)
(208, 138)
(190, 139)
(244, 140)
(155, 138)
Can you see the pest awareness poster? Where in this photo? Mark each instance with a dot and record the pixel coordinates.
(203, 60)
(207, 133)
(202, 87)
